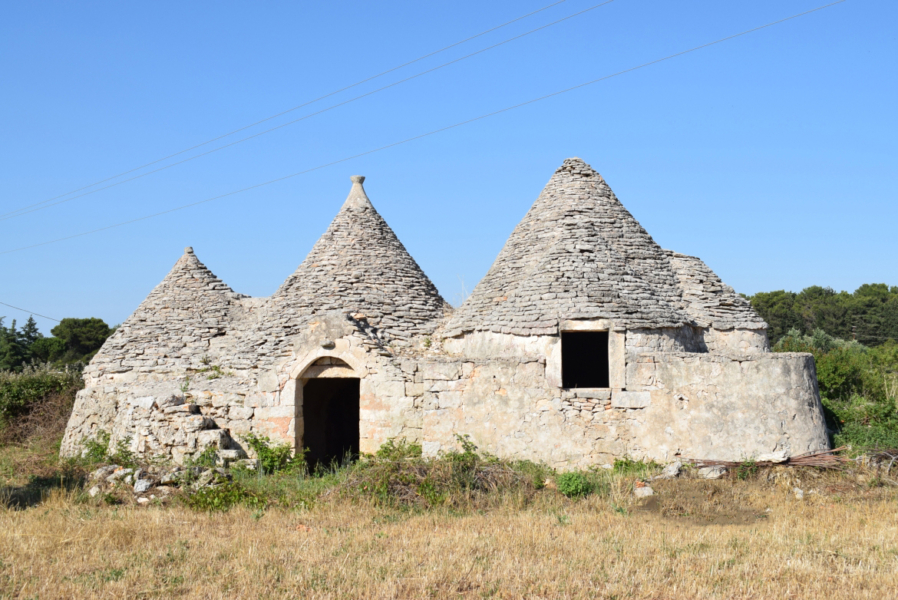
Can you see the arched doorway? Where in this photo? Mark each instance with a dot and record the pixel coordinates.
(330, 412)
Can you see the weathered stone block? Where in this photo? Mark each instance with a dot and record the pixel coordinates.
(414, 389)
(240, 413)
(631, 399)
(441, 370)
(239, 428)
(212, 438)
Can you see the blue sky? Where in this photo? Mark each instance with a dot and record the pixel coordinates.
(771, 156)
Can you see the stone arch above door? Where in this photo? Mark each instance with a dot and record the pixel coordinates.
(329, 367)
(310, 361)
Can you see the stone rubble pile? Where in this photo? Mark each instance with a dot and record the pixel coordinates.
(159, 482)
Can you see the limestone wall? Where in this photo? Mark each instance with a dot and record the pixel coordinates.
(725, 407)
(164, 414)
(500, 389)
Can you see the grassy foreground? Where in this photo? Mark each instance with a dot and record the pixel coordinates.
(728, 538)
(463, 526)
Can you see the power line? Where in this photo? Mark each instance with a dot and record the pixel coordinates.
(29, 311)
(23, 211)
(289, 110)
(435, 131)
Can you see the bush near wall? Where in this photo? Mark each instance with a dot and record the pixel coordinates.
(21, 391)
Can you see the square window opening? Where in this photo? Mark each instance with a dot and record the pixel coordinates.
(584, 359)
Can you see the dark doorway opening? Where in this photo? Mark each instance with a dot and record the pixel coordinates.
(584, 359)
(330, 414)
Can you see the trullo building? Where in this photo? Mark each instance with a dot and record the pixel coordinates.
(584, 342)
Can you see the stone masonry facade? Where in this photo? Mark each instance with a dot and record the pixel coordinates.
(690, 374)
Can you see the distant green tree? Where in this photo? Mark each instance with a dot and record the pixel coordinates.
(47, 349)
(778, 309)
(824, 308)
(82, 338)
(868, 315)
(13, 353)
(29, 333)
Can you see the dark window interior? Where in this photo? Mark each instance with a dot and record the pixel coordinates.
(330, 412)
(584, 359)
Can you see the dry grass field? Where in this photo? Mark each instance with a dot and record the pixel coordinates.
(693, 539)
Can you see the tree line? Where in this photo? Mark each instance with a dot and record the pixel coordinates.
(73, 341)
(869, 315)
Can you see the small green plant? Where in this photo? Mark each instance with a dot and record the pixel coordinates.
(272, 456)
(639, 468)
(223, 497)
(573, 484)
(427, 342)
(398, 450)
(214, 372)
(747, 469)
(206, 458)
(186, 385)
(428, 490)
(619, 509)
(111, 499)
(123, 455)
(96, 449)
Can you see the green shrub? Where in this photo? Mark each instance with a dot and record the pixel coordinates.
(20, 391)
(222, 497)
(96, 449)
(398, 476)
(206, 458)
(398, 450)
(747, 469)
(123, 455)
(272, 456)
(573, 484)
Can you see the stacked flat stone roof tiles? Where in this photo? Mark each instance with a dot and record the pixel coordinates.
(708, 300)
(176, 321)
(577, 254)
(359, 265)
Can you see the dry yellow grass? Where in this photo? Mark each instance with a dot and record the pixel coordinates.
(831, 545)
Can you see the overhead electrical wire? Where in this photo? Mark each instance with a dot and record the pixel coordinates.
(23, 211)
(289, 110)
(435, 131)
(30, 312)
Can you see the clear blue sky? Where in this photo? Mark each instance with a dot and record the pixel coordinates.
(773, 157)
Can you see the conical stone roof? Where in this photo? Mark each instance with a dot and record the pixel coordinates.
(360, 266)
(176, 320)
(577, 254)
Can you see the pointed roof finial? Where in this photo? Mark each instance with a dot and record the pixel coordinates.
(357, 197)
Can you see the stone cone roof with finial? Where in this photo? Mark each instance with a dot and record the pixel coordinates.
(187, 309)
(360, 266)
(579, 254)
